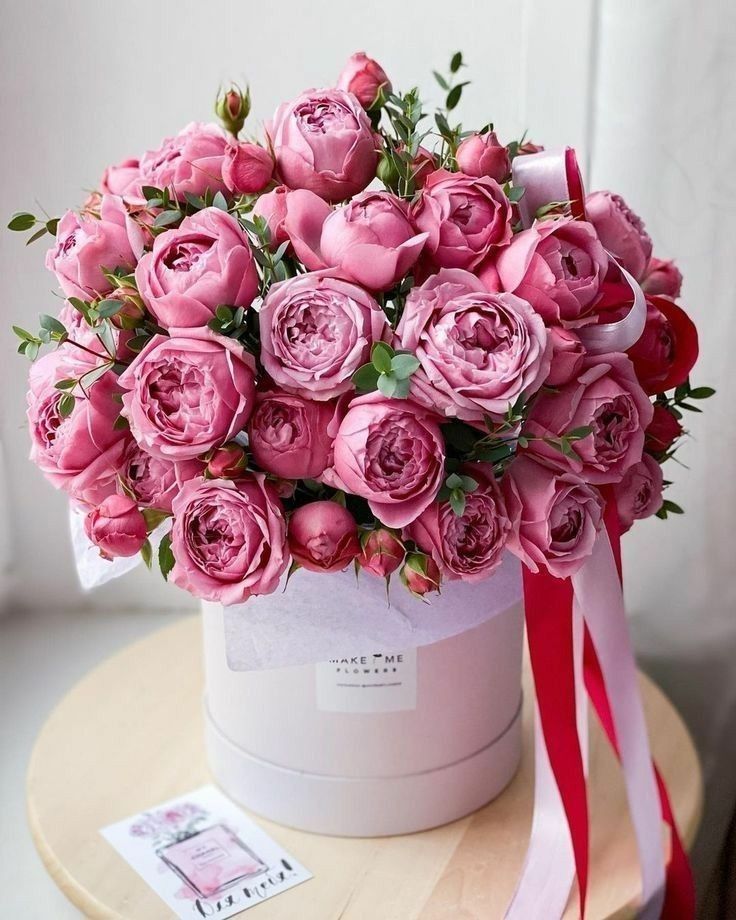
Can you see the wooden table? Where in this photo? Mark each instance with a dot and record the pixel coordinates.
(129, 736)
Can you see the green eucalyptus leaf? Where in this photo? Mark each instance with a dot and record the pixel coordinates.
(147, 553)
(36, 236)
(66, 404)
(166, 559)
(109, 307)
(366, 378)
(219, 201)
(457, 61)
(403, 366)
(166, 218)
(22, 220)
(387, 384)
(457, 501)
(701, 393)
(381, 357)
(51, 323)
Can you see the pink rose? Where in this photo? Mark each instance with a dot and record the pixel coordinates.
(228, 539)
(272, 208)
(191, 270)
(392, 453)
(639, 494)
(86, 245)
(227, 462)
(421, 575)
(116, 527)
(291, 436)
(568, 354)
(465, 217)
(154, 482)
(316, 331)
(620, 230)
(363, 77)
(192, 161)
(423, 165)
(557, 265)
(471, 545)
(381, 553)
(370, 240)
(662, 277)
(479, 352)
(323, 537)
(555, 517)
(484, 155)
(247, 168)
(323, 141)
(606, 397)
(188, 393)
(123, 180)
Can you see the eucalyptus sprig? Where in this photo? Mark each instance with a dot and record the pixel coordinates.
(388, 371)
(455, 489)
(681, 399)
(402, 140)
(237, 323)
(24, 220)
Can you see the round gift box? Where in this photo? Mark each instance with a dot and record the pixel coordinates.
(375, 743)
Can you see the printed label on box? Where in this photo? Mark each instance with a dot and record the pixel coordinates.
(380, 682)
(203, 856)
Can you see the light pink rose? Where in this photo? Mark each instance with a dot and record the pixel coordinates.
(620, 230)
(323, 537)
(191, 161)
(272, 208)
(316, 331)
(116, 527)
(123, 179)
(479, 352)
(228, 539)
(154, 482)
(323, 141)
(381, 552)
(606, 397)
(188, 393)
(86, 245)
(247, 168)
(392, 453)
(468, 546)
(568, 354)
(466, 218)
(363, 77)
(191, 270)
(484, 155)
(639, 494)
(555, 517)
(662, 277)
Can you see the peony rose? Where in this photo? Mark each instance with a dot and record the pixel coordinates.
(668, 348)
(555, 517)
(323, 537)
(116, 527)
(191, 270)
(247, 168)
(228, 539)
(662, 432)
(662, 277)
(620, 230)
(484, 155)
(420, 574)
(392, 453)
(227, 462)
(188, 393)
(316, 331)
(465, 217)
(291, 436)
(363, 77)
(323, 141)
(557, 265)
(639, 494)
(154, 482)
(272, 208)
(123, 180)
(605, 397)
(479, 352)
(192, 161)
(568, 354)
(471, 545)
(86, 245)
(381, 552)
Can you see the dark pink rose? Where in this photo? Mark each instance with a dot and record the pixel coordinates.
(555, 517)
(154, 482)
(568, 354)
(484, 155)
(227, 462)
(381, 553)
(471, 545)
(116, 527)
(479, 352)
(188, 393)
(316, 331)
(390, 452)
(662, 277)
(191, 270)
(420, 574)
(557, 265)
(228, 539)
(639, 494)
(291, 436)
(363, 77)
(191, 161)
(247, 168)
(466, 218)
(85, 245)
(605, 397)
(323, 141)
(323, 537)
(620, 230)
(272, 208)
(662, 432)
(123, 180)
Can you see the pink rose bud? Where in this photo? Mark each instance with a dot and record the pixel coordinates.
(247, 168)
(364, 78)
(323, 537)
(568, 354)
(528, 147)
(116, 527)
(423, 165)
(662, 277)
(232, 108)
(382, 553)
(272, 208)
(662, 432)
(132, 311)
(639, 494)
(420, 574)
(484, 155)
(227, 462)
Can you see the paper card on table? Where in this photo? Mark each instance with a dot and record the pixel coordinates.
(203, 856)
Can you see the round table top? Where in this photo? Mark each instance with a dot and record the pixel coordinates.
(129, 735)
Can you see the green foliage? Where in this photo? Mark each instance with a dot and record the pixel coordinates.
(388, 371)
